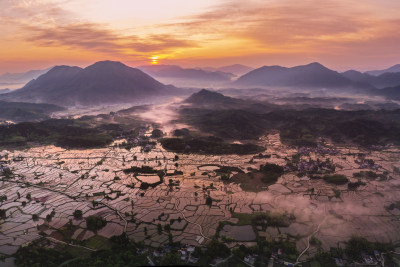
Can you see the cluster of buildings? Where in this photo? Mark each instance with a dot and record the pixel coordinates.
(315, 166)
(318, 150)
(185, 252)
(141, 139)
(368, 164)
(3, 166)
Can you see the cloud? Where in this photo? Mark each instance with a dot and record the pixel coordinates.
(91, 36)
(46, 24)
(329, 31)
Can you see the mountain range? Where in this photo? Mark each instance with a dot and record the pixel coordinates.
(313, 75)
(16, 80)
(236, 69)
(109, 82)
(173, 71)
(105, 82)
(387, 79)
(395, 68)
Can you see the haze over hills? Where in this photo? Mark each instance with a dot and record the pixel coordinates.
(392, 93)
(186, 76)
(386, 79)
(5, 90)
(313, 75)
(395, 68)
(237, 69)
(17, 80)
(104, 82)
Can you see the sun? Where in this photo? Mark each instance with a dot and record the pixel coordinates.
(154, 60)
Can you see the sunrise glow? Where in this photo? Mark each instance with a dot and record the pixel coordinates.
(341, 34)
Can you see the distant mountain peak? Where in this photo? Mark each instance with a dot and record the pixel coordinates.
(104, 82)
(394, 68)
(314, 66)
(317, 64)
(108, 63)
(62, 68)
(313, 75)
(206, 96)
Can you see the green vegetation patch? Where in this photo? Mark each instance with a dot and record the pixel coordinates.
(336, 179)
(95, 223)
(61, 132)
(300, 127)
(33, 255)
(98, 242)
(208, 145)
(20, 111)
(356, 245)
(257, 180)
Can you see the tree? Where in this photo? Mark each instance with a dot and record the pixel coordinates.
(159, 229)
(171, 259)
(157, 133)
(209, 201)
(78, 214)
(28, 196)
(3, 214)
(95, 223)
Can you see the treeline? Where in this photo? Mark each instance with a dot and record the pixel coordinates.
(61, 132)
(208, 145)
(19, 111)
(123, 252)
(300, 127)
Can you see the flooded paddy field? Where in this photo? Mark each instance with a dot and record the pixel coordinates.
(50, 180)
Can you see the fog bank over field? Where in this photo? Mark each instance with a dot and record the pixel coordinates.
(165, 115)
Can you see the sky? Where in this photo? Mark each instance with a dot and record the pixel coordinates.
(340, 34)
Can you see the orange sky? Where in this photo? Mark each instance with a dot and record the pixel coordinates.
(341, 34)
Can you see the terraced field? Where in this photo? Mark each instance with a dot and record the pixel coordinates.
(50, 179)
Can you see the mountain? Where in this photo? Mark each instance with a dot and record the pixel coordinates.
(392, 93)
(395, 68)
(105, 82)
(313, 75)
(206, 96)
(173, 71)
(19, 79)
(5, 90)
(386, 79)
(206, 99)
(236, 69)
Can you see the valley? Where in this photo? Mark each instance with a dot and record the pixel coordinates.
(159, 197)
